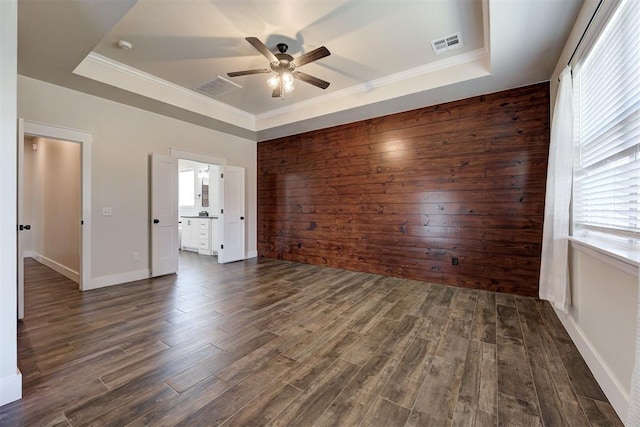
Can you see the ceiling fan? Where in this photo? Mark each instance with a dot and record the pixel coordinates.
(285, 67)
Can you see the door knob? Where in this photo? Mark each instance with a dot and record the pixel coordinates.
(27, 227)
(242, 218)
(156, 221)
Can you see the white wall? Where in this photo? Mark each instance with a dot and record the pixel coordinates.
(601, 320)
(10, 378)
(604, 289)
(123, 138)
(604, 286)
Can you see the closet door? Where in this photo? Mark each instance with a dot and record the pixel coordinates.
(164, 215)
(21, 225)
(233, 223)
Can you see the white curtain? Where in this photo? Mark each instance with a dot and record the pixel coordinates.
(554, 263)
(633, 415)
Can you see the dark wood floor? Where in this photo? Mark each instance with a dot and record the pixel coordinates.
(272, 342)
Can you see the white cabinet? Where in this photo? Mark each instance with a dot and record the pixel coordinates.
(189, 235)
(204, 237)
(197, 235)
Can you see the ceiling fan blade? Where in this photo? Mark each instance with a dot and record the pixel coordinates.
(314, 55)
(311, 80)
(247, 72)
(277, 91)
(255, 42)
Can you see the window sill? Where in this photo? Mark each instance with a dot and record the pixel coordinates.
(621, 257)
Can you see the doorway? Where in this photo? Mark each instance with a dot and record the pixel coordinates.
(64, 140)
(51, 204)
(199, 212)
(164, 224)
(231, 198)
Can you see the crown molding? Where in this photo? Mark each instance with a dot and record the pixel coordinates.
(447, 71)
(455, 69)
(393, 79)
(106, 70)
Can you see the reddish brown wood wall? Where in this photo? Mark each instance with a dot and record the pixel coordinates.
(403, 195)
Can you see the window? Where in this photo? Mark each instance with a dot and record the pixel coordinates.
(186, 188)
(606, 192)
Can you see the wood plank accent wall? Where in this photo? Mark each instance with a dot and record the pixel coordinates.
(402, 195)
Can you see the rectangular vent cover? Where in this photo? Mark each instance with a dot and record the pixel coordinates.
(217, 87)
(446, 44)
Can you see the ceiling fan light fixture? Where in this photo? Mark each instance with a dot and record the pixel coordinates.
(287, 78)
(274, 81)
(287, 81)
(288, 87)
(284, 65)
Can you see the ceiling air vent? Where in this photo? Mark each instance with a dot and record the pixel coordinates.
(446, 44)
(217, 87)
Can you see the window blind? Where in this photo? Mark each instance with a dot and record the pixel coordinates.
(607, 128)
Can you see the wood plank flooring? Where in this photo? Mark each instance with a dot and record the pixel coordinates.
(268, 342)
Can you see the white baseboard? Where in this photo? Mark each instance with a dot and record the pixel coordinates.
(10, 388)
(252, 254)
(56, 266)
(615, 392)
(116, 279)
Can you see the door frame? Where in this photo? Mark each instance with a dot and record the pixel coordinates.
(85, 139)
(196, 157)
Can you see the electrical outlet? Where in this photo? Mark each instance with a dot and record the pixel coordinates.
(454, 261)
(136, 256)
(107, 211)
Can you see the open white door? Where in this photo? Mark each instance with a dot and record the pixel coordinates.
(21, 225)
(164, 215)
(233, 224)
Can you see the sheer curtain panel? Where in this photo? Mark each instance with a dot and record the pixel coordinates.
(555, 234)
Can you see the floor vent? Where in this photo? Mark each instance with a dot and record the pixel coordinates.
(446, 44)
(217, 87)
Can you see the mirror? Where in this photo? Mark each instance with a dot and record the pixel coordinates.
(205, 194)
(204, 176)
